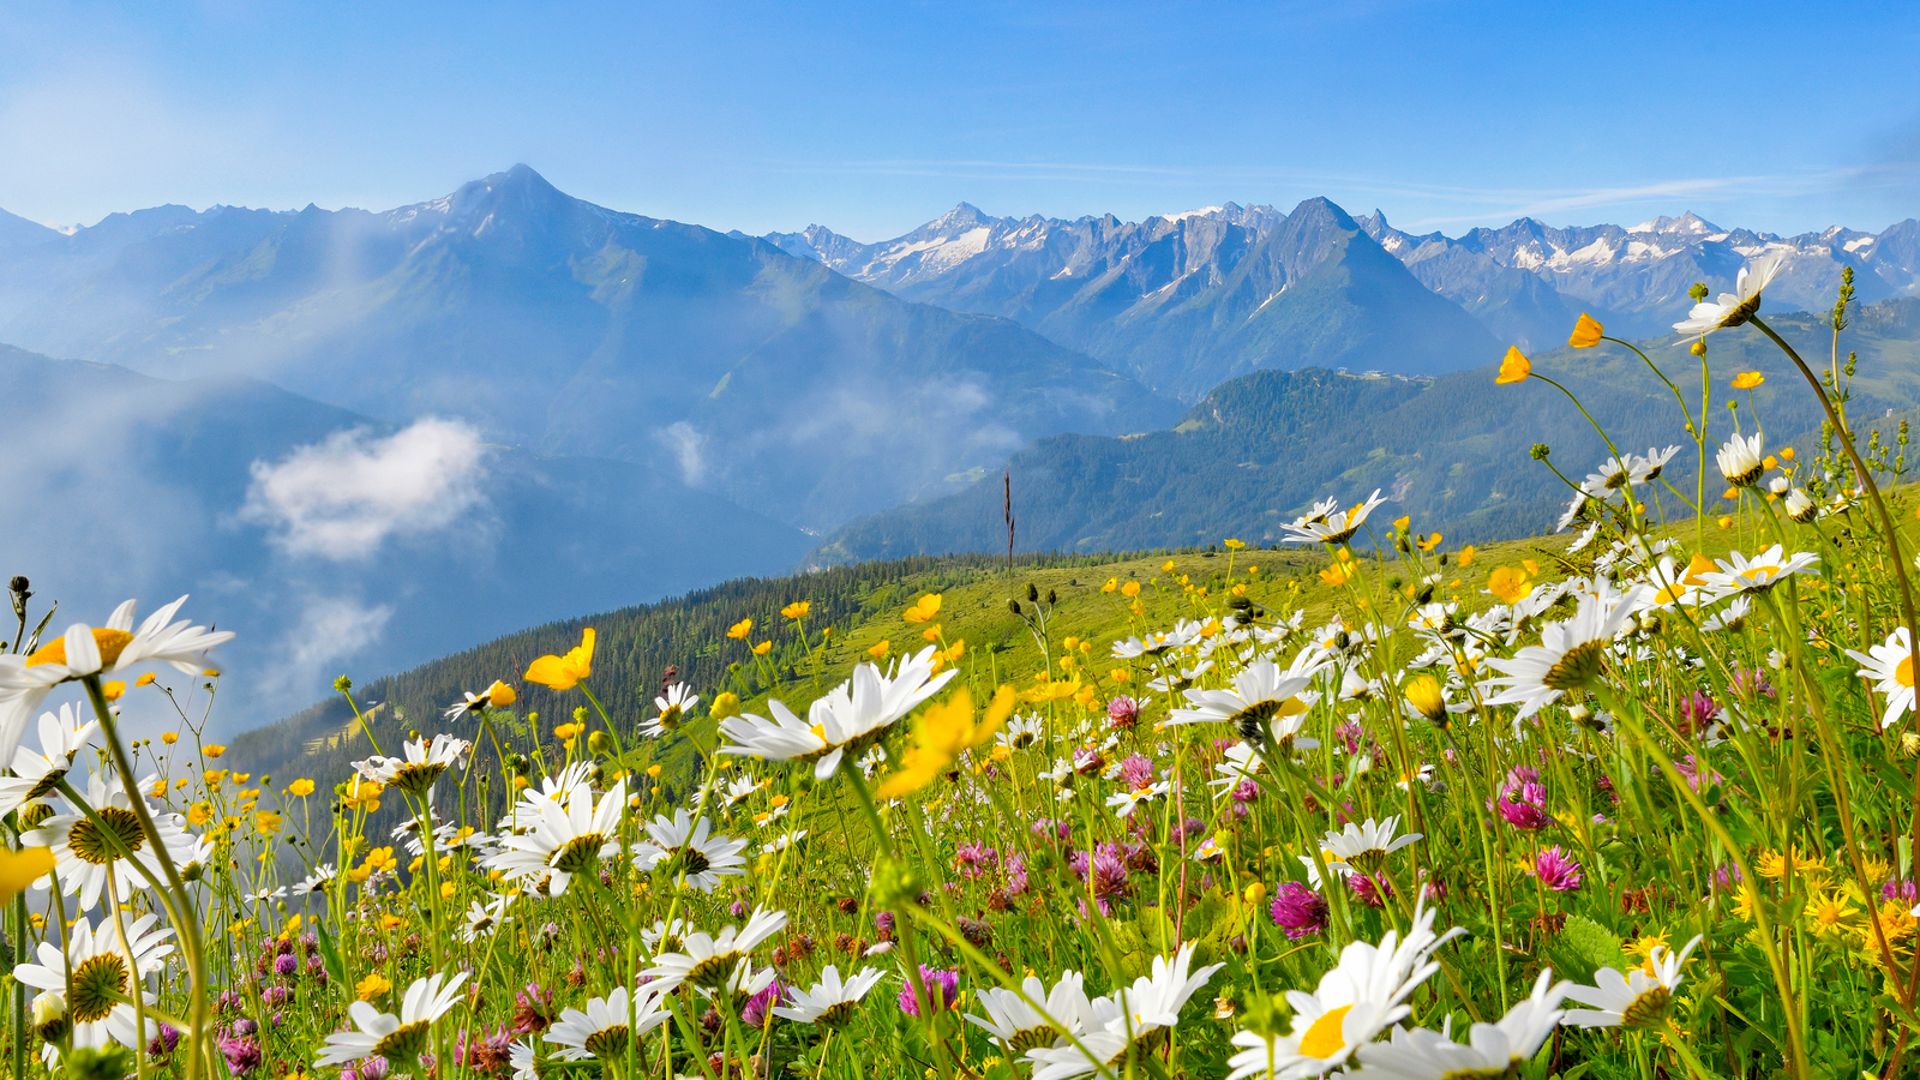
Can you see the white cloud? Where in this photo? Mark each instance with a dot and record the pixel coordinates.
(686, 443)
(343, 497)
(328, 631)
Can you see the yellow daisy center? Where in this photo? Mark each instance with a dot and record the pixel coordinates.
(99, 983)
(578, 853)
(1903, 673)
(90, 840)
(608, 1042)
(1648, 1008)
(403, 1043)
(1580, 666)
(111, 644)
(1324, 1037)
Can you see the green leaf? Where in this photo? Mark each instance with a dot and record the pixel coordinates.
(330, 956)
(1583, 947)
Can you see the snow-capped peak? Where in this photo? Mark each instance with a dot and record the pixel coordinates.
(1689, 223)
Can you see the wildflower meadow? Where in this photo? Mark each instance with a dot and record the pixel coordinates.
(1640, 799)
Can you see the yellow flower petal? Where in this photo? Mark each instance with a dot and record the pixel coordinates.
(1514, 367)
(1587, 332)
(19, 869)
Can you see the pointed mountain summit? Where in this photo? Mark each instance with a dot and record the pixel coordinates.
(963, 216)
(1687, 224)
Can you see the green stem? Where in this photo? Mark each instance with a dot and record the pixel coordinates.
(186, 924)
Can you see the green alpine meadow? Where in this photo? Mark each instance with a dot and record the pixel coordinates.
(849, 581)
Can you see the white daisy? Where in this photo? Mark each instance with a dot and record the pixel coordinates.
(524, 1059)
(1185, 632)
(423, 764)
(319, 881)
(1731, 616)
(608, 1024)
(565, 839)
(738, 790)
(1021, 732)
(1740, 460)
(1738, 306)
(1570, 655)
(1329, 525)
(1369, 841)
(744, 983)
(1576, 510)
(829, 1001)
(1737, 573)
(1124, 802)
(1890, 666)
(84, 650)
(688, 850)
(852, 716)
(665, 936)
(400, 1039)
(1800, 506)
(709, 959)
(1020, 1026)
(1638, 998)
(34, 775)
(673, 705)
(558, 789)
(497, 696)
(484, 918)
(1116, 1026)
(98, 975)
(1490, 1050)
(1648, 468)
(1263, 703)
(1362, 996)
(87, 850)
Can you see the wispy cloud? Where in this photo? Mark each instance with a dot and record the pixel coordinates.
(343, 497)
(323, 634)
(1663, 192)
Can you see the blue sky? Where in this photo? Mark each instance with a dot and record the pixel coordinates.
(873, 117)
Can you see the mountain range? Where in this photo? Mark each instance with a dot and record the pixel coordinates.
(1185, 300)
(1179, 302)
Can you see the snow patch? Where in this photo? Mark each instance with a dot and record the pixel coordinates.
(1204, 211)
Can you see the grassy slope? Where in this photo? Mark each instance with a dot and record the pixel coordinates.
(862, 605)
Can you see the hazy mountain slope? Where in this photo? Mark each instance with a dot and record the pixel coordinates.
(568, 327)
(17, 233)
(125, 485)
(1451, 450)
